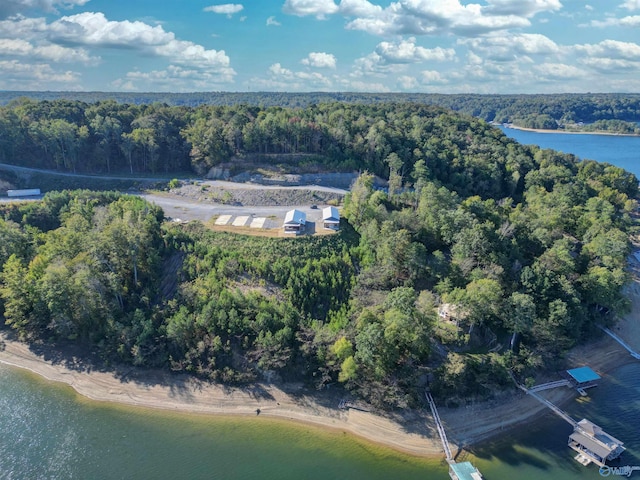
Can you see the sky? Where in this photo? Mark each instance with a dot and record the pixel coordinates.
(430, 46)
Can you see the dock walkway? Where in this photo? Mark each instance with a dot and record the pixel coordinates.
(633, 353)
(441, 432)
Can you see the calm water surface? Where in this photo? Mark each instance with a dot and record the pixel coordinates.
(49, 432)
(621, 151)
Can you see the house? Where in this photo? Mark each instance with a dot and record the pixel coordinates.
(331, 218)
(593, 444)
(583, 378)
(294, 222)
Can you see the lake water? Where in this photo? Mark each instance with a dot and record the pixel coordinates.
(618, 150)
(49, 432)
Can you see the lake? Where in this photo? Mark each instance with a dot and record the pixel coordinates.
(50, 432)
(618, 150)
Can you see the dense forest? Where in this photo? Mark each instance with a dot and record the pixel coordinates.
(526, 248)
(131, 130)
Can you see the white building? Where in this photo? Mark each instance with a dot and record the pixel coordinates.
(294, 222)
(331, 218)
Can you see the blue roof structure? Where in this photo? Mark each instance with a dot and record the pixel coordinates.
(465, 471)
(583, 374)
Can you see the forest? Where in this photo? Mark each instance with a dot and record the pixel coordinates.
(162, 133)
(525, 247)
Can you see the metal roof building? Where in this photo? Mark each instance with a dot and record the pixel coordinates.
(294, 221)
(583, 375)
(331, 218)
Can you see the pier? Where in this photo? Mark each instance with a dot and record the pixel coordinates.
(633, 353)
(457, 471)
(592, 444)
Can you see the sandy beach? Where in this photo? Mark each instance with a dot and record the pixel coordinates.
(411, 432)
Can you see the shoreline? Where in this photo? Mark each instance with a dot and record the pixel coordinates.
(409, 432)
(569, 132)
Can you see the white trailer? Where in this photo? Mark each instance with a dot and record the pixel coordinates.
(27, 192)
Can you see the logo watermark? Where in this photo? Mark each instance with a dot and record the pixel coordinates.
(625, 471)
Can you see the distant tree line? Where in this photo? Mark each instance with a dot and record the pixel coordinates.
(154, 133)
(527, 247)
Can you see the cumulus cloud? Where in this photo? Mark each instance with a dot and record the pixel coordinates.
(56, 53)
(422, 17)
(502, 47)
(227, 9)
(611, 49)
(272, 22)
(24, 76)
(280, 78)
(526, 8)
(631, 5)
(173, 78)
(406, 51)
(13, 7)
(318, 8)
(557, 71)
(629, 21)
(94, 29)
(320, 60)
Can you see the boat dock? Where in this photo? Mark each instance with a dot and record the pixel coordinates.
(457, 471)
(592, 444)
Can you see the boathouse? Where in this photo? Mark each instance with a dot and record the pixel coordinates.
(330, 218)
(294, 222)
(593, 444)
(464, 471)
(582, 378)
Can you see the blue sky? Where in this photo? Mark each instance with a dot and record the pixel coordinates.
(433, 46)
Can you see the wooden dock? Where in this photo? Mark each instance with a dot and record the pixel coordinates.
(457, 471)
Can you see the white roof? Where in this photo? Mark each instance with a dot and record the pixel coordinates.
(330, 213)
(295, 217)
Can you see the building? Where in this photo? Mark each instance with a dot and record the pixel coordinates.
(582, 378)
(464, 471)
(294, 222)
(593, 444)
(331, 218)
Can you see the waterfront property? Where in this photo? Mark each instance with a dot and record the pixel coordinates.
(593, 444)
(331, 218)
(294, 222)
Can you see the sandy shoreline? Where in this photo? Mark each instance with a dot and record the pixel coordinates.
(413, 432)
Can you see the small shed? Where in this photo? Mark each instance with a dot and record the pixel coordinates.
(294, 222)
(331, 218)
(464, 471)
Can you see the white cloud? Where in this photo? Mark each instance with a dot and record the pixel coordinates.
(631, 5)
(431, 76)
(56, 53)
(13, 7)
(526, 8)
(629, 21)
(24, 76)
(227, 9)
(557, 71)
(407, 82)
(319, 8)
(406, 51)
(93, 29)
(320, 60)
(173, 78)
(509, 47)
(272, 22)
(359, 8)
(611, 49)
